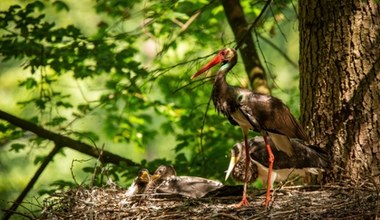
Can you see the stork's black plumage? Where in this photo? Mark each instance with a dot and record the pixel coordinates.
(306, 159)
(249, 110)
(165, 180)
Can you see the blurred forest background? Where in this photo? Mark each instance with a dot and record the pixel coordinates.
(116, 75)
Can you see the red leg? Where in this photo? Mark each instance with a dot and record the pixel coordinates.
(244, 200)
(271, 160)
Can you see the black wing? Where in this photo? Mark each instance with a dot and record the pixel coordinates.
(304, 156)
(269, 114)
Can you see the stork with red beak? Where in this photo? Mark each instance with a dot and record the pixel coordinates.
(249, 110)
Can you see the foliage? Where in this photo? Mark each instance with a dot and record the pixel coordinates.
(110, 81)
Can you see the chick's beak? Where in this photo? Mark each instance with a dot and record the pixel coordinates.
(145, 176)
(155, 176)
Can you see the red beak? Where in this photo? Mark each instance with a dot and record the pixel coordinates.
(216, 60)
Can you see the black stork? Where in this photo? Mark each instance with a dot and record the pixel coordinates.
(165, 181)
(139, 183)
(249, 110)
(306, 159)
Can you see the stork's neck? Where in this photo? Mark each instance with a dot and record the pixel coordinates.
(220, 83)
(221, 94)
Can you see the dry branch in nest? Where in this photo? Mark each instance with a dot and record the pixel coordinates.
(309, 202)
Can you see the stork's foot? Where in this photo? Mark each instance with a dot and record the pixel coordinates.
(267, 201)
(243, 202)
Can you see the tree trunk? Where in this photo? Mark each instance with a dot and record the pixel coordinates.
(256, 73)
(340, 83)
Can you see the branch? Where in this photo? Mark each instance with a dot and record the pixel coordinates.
(60, 140)
(9, 212)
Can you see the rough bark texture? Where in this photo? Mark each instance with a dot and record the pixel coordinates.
(340, 82)
(252, 64)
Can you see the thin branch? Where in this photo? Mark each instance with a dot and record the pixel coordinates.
(243, 36)
(20, 198)
(265, 61)
(161, 71)
(203, 124)
(254, 24)
(184, 27)
(277, 24)
(282, 53)
(203, 81)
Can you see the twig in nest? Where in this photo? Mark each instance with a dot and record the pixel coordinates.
(226, 215)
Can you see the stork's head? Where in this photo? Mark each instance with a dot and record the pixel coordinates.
(236, 153)
(226, 56)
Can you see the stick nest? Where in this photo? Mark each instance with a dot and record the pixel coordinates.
(297, 202)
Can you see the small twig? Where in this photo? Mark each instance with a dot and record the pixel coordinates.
(203, 125)
(184, 27)
(278, 49)
(277, 24)
(226, 215)
(266, 62)
(279, 188)
(203, 81)
(302, 187)
(71, 171)
(191, 19)
(156, 73)
(281, 213)
(254, 23)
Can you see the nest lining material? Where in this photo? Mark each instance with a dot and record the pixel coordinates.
(310, 202)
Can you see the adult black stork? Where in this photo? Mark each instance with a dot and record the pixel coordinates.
(139, 183)
(165, 180)
(306, 159)
(249, 110)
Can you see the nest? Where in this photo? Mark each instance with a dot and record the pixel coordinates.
(296, 202)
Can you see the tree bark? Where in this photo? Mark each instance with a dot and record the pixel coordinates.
(340, 83)
(256, 73)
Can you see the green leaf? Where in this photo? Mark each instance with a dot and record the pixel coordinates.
(29, 83)
(88, 169)
(60, 5)
(17, 147)
(88, 135)
(56, 121)
(41, 104)
(64, 104)
(36, 4)
(39, 159)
